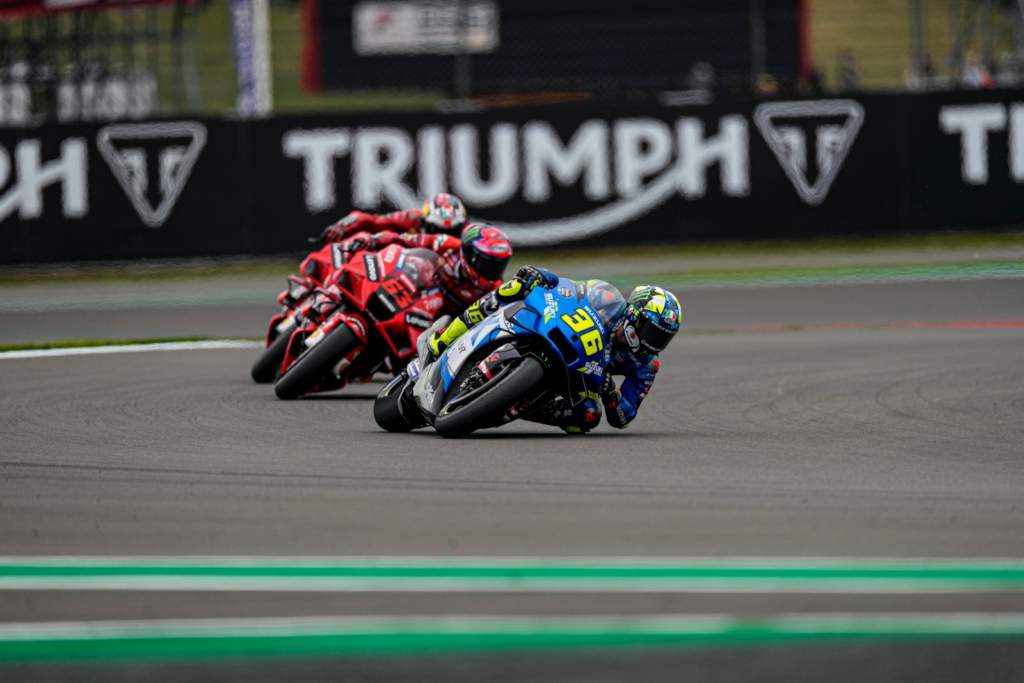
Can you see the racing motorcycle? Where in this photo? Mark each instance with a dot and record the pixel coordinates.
(514, 362)
(366, 318)
(295, 301)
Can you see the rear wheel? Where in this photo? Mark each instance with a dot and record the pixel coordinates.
(487, 407)
(264, 370)
(314, 364)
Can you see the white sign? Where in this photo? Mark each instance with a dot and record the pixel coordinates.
(629, 165)
(32, 175)
(974, 123)
(402, 28)
(120, 145)
(831, 141)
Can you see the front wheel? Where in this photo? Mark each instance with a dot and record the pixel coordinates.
(388, 407)
(483, 410)
(314, 364)
(264, 370)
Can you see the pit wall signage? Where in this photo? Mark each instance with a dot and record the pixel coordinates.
(548, 176)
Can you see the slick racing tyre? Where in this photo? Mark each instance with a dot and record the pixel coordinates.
(387, 408)
(459, 419)
(264, 370)
(315, 363)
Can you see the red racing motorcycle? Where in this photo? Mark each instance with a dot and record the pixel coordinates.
(295, 303)
(366, 318)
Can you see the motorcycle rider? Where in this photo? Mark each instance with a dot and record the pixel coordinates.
(640, 328)
(471, 265)
(443, 214)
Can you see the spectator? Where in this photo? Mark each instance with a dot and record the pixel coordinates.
(974, 73)
(847, 71)
(812, 83)
(923, 77)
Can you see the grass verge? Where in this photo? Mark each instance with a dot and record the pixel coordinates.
(281, 265)
(91, 342)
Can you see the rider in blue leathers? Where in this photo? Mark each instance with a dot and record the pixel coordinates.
(640, 328)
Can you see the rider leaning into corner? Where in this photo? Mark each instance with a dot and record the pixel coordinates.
(641, 328)
(442, 214)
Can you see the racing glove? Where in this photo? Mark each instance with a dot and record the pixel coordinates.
(531, 276)
(358, 242)
(611, 398)
(335, 232)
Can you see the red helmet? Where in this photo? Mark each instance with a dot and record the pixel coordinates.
(444, 213)
(485, 253)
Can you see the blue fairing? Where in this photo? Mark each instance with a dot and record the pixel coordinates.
(563, 316)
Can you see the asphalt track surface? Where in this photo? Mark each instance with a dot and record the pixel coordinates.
(867, 421)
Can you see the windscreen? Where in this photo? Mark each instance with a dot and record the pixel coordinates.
(605, 299)
(420, 265)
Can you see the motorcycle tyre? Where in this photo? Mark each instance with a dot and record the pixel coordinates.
(314, 363)
(387, 407)
(266, 367)
(505, 392)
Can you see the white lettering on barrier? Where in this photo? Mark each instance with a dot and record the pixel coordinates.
(642, 147)
(25, 195)
(381, 158)
(730, 148)
(318, 149)
(627, 164)
(585, 155)
(973, 123)
(430, 160)
(1017, 142)
(504, 171)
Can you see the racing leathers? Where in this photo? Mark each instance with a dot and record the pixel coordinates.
(458, 291)
(583, 414)
(410, 221)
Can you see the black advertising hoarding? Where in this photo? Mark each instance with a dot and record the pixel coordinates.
(553, 175)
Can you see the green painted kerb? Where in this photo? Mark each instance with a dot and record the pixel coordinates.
(205, 643)
(1010, 574)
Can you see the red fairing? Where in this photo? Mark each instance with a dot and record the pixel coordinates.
(387, 298)
(313, 270)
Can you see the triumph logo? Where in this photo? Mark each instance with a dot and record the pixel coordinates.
(831, 126)
(152, 162)
(622, 168)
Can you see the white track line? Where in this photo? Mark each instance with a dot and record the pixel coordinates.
(133, 348)
(667, 586)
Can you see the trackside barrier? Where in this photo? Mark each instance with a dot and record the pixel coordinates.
(551, 175)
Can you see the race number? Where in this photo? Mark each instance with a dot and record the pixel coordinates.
(582, 324)
(399, 295)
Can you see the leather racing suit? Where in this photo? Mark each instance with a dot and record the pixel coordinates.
(458, 291)
(638, 370)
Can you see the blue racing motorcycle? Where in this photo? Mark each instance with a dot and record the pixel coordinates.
(515, 361)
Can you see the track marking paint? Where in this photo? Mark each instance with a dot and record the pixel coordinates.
(261, 637)
(133, 348)
(510, 574)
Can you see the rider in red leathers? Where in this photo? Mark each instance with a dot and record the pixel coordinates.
(470, 267)
(444, 213)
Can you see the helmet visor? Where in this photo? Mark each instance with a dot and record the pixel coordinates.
(654, 339)
(487, 267)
